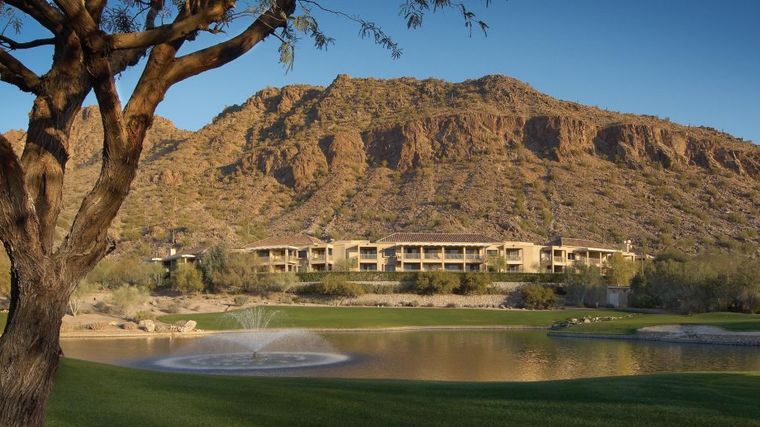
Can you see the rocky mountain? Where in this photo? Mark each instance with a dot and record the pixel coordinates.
(366, 157)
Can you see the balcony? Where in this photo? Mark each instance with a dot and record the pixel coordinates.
(559, 259)
(454, 256)
(368, 256)
(412, 255)
(472, 256)
(515, 257)
(318, 258)
(432, 255)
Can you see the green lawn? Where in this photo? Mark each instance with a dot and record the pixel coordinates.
(730, 321)
(372, 317)
(88, 394)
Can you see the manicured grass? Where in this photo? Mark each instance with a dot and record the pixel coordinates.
(372, 317)
(88, 394)
(730, 321)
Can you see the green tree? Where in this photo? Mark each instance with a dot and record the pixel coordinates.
(186, 279)
(345, 264)
(584, 285)
(619, 271)
(496, 263)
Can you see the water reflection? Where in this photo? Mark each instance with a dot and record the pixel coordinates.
(465, 355)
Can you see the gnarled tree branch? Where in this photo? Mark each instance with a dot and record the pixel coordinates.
(223, 53)
(180, 28)
(13, 44)
(14, 72)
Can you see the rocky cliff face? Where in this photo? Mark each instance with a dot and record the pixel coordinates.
(364, 157)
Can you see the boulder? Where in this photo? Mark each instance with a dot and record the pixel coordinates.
(187, 326)
(129, 326)
(147, 325)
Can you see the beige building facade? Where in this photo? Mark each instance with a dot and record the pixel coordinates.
(456, 252)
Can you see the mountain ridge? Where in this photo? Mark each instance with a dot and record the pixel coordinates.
(366, 157)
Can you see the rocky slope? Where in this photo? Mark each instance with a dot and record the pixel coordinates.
(365, 157)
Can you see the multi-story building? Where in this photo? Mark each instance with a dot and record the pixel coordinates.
(299, 252)
(428, 252)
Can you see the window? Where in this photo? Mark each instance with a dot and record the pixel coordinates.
(389, 252)
(571, 256)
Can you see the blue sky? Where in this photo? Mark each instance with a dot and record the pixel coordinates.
(694, 61)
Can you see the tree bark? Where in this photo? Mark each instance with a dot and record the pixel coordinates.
(28, 358)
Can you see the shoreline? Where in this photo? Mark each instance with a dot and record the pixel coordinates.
(201, 333)
(737, 339)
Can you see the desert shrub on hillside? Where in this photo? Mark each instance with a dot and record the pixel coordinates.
(537, 297)
(474, 284)
(435, 282)
(186, 279)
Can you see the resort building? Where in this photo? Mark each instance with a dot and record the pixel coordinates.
(171, 261)
(299, 252)
(429, 252)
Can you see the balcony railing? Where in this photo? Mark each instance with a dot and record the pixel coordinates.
(318, 257)
(515, 257)
(472, 256)
(432, 256)
(412, 255)
(368, 256)
(558, 259)
(454, 256)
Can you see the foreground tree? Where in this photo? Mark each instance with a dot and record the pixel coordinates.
(92, 42)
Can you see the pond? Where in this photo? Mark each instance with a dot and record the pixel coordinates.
(463, 355)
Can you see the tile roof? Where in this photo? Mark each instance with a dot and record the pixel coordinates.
(299, 239)
(436, 238)
(584, 243)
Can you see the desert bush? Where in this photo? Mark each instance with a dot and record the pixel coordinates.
(474, 284)
(585, 286)
(435, 282)
(276, 282)
(127, 299)
(143, 315)
(113, 273)
(706, 282)
(240, 299)
(334, 285)
(224, 271)
(81, 292)
(186, 279)
(537, 297)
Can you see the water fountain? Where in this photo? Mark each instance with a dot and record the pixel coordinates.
(255, 348)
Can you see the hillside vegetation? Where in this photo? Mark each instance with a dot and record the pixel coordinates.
(366, 157)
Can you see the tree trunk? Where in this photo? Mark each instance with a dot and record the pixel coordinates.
(29, 351)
